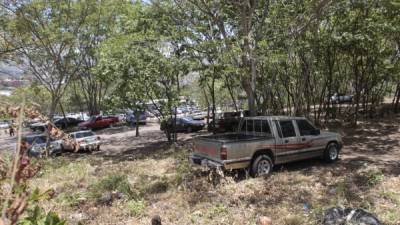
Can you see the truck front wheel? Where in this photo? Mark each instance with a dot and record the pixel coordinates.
(261, 166)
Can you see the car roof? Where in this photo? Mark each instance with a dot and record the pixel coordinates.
(274, 117)
(36, 135)
(82, 131)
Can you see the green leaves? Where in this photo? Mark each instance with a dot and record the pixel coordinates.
(38, 216)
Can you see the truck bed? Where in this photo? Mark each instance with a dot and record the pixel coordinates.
(232, 137)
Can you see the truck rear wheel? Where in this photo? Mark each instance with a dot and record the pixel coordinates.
(331, 153)
(261, 166)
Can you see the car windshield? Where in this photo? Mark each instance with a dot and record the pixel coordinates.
(84, 134)
(58, 120)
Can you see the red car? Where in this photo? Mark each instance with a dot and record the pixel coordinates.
(97, 122)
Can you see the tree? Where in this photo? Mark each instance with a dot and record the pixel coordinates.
(43, 32)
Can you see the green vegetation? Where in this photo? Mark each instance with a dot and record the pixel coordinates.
(37, 216)
(135, 207)
(112, 183)
(375, 177)
(269, 57)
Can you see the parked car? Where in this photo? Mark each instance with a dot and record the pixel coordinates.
(60, 122)
(4, 125)
(183, 124)
(98, 122)
(341, 98)
(86, 139)
(121, 117)
(37, 145)
(198, 115)
(262, 142)
(131, 118)
(67, 122)
(40, 126)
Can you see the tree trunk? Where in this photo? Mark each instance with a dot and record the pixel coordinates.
(137, 115)
(396, 99)
(52, 109)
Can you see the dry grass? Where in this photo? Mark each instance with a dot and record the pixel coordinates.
(180, 195)
(165, 184)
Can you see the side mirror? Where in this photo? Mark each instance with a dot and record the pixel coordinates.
(315, 132)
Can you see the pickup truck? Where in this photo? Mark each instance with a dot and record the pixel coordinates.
(264, 141)
(98, 122)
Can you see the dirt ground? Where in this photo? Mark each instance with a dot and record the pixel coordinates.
(156, 179)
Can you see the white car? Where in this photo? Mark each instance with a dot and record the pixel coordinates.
(86, 139)
(4, 125)
(198, 115)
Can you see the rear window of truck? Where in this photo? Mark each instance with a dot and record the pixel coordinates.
(256, 127)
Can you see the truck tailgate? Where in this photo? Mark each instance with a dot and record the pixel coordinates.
(207, 148)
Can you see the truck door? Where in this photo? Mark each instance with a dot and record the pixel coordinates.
(288, 143)
(310, 140)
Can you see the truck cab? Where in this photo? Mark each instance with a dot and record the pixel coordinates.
(264, 141)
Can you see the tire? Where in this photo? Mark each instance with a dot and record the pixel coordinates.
(331, 153)
(261, 166)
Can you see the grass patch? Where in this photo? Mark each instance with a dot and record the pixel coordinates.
(113, 182)
(136, 207)
(217, 210)
(391, 216)
(374, 177)
(392, 196)
(71, 199)
(294, 220)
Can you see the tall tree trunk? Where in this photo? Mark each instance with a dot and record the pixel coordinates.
(396, 99)
(137, 115)
(52, 109)
(228, 85)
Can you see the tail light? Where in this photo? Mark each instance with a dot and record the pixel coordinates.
(223, 153)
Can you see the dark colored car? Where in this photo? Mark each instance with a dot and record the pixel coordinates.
(61, 123)
(341, 98)
(98, 122)
(183, 124)
(67, 122)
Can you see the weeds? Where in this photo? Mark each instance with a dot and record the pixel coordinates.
(71, 199)
(113, 182)
(217, 210)
(374, 177)
(294, 220)
(135, 207)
